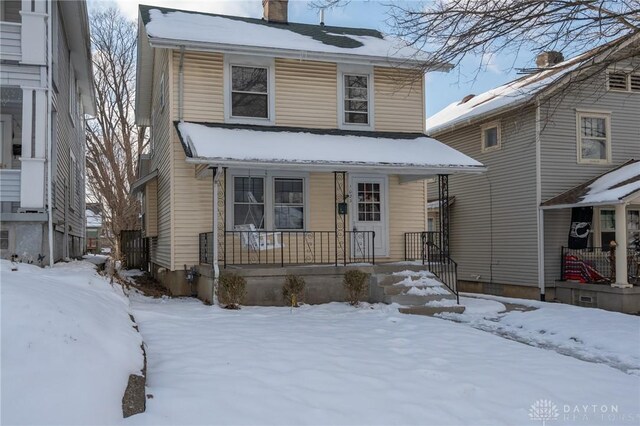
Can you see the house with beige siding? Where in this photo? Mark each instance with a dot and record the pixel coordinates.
(562, 140)
(279, 147)
(46, 89)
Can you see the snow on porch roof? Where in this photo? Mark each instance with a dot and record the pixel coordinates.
(291, 147)
(616, 186)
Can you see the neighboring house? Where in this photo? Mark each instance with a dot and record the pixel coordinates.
(46, 89)
(295, 143)
(97, 231)
(539, 138)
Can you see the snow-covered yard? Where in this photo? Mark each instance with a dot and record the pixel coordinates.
(334, 364)
(68, 347)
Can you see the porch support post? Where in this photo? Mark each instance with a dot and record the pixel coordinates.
(621, 248)
(340, 196)
(443, 198)
(214, 237)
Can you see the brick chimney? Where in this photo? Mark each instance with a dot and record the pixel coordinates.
(275, 10)
(549, 59)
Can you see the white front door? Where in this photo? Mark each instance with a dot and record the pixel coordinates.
(369, 207)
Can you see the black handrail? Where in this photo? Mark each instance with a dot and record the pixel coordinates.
(425, 247)
(259, 247)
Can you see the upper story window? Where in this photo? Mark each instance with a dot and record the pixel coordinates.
(594, 137)
(621, 81)
(73, 94)
(73, 176)
(491, 137)
(249, 90)
(355, 99)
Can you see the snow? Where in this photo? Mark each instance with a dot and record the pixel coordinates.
(587, 333)
(94, 220)
(218, 143)
(505, 96)
(336, 365)
(68, 345)
(605, 189)
(203, 28)
(421, 283)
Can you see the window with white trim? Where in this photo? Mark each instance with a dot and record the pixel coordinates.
(621, 81)
(491, 138)
(249, 91)
(594, 137)
(356, 99)
(248, 201)
(608, 226)
(288, 203)
(4, 240)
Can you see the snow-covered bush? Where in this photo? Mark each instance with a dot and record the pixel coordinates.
(293, 290)
(231, 290)
(355, 284)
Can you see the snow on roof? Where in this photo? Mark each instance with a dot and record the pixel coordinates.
(277, 145)
(614, 187)
(94, 220)
(503, 97)
(172, 24)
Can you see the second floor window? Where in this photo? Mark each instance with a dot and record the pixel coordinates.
(594, 139)
(356, 99)
(491, 137)
(249, 92)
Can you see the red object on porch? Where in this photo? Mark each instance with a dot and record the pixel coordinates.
(576, 269)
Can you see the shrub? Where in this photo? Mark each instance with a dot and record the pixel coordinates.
(293, 290)
(231, 290)
(355, 284)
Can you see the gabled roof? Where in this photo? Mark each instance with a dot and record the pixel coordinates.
(176, 27)
(616, 186)
(518, 92)
(337, 150)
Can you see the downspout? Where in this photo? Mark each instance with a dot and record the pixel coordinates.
(49, 127)
(539, 212)
(181, 86)
(214, 236)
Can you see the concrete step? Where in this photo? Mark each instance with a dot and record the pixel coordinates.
(417, 300)
(391, 290)
(431, 310)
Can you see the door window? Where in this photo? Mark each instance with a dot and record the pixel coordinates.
(369, 202)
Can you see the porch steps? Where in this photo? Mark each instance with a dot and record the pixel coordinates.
(417, 293)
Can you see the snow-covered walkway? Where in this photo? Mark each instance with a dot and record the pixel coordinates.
(334, 364)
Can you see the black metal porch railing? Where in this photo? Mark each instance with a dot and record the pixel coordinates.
(290, 248)
(425, 247)
(594, 265)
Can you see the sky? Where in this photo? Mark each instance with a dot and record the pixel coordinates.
(442, 88)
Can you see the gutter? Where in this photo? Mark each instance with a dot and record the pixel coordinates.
(389, 168)
(181, 85)
(290, 53)
(48, 137)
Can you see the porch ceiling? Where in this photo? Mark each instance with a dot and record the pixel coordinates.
(617, 186)
(289, 148)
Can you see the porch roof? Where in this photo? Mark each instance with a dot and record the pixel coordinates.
(617, 186)
(320, 149)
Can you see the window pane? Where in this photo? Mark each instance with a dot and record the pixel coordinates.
(594, 149)
(356, 117)
(355, 106)
(245, 214)
(249, 105)
(355, 81)
(288, 191)
(607, 220)
(289, 217)
(249, 190)
(249, 79)
(355, 93)
(490, 137)
(594, 127)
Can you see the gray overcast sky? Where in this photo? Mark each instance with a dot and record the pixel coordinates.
(442, 88)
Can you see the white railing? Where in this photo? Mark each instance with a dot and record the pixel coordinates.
(10, 41)
(9, 185)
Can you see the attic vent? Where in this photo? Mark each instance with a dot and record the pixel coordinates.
(617, 81)
(466, 99)
(634, 80)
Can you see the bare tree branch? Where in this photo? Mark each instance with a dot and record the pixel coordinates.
(113, 140)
